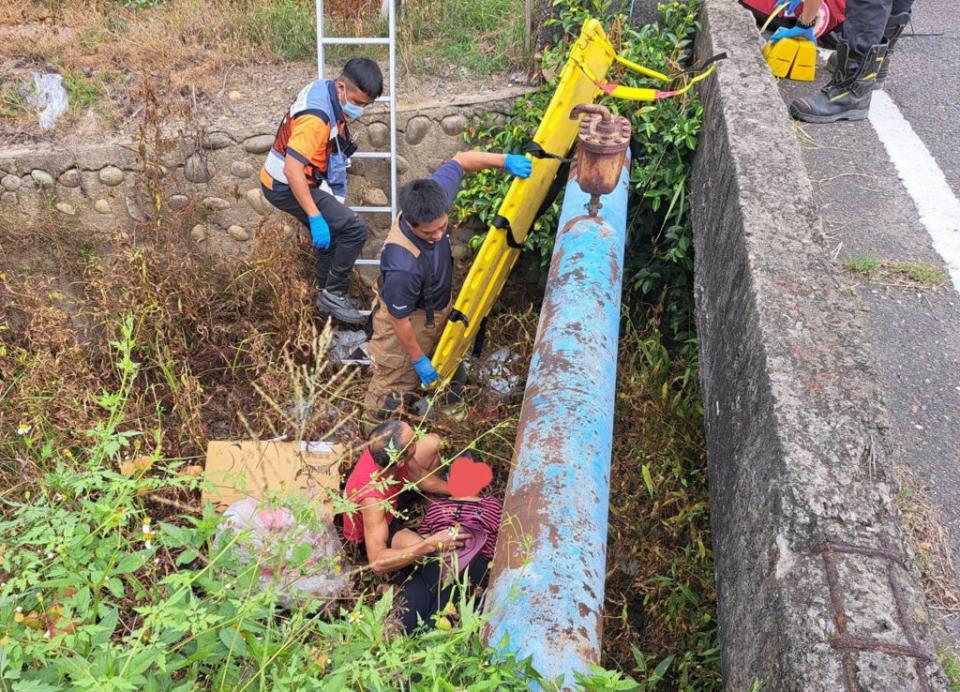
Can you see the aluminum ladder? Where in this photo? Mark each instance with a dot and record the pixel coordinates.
(391, 42)
(391, 98)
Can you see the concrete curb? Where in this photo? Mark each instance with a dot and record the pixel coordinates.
(816, 581)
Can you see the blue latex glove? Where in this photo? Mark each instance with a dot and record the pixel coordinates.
(518, 165)
(792, 7)
(425, 370)
(319, 232)
(794, 32)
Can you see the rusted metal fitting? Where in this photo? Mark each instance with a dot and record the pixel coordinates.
(602, 146)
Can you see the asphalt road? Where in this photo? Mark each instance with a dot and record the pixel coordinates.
(913, 331)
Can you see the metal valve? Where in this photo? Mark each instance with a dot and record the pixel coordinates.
(602, 146)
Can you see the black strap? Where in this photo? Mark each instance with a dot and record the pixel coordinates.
(457, 316)
(538, 152)
(480, 339)
(696, 69)
(426, 290)
(503, 224)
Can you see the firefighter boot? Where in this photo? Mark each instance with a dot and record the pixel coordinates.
(891, 34)
(847, 95)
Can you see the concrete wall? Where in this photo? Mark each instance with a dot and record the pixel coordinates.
(211, 177)
(816, 582)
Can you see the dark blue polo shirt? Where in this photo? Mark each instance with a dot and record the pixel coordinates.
(401, 276)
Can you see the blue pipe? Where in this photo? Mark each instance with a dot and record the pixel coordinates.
(547, 583)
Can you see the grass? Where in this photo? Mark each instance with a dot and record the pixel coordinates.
(188, 49)
(951, 668)
(12, 102)
(481, 36)
(908, 273)
(83, 92)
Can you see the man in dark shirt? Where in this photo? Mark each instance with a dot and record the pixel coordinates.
(412, 295)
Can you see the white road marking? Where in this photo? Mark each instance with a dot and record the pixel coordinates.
(938, 207)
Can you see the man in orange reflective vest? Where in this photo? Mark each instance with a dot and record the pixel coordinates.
(305, 175)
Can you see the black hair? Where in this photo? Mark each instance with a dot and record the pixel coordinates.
(423, 201)
(385, 437)
(365, 73)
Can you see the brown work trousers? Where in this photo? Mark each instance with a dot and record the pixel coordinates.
(393, 373)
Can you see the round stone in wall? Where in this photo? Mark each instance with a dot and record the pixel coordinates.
(259, 144)
(178, 202)
(10, 183)
(454, 124)
(417, 128)
(41, 178)
(111, 175)
(216, 203)
(66, 208)
(402, 165)
(375, 197)
(235, 96)
(379, 135)
(199, 233)
(196, 170)
(70, 178)
(256, 200)
(134, 210)
(217, 140)
(241, 169)
(8, 199)
(102, 206)
(238, 233)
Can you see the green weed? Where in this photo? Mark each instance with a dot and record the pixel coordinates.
(920, 272)
(82, 92)
(286, 28)
(863, 263)
(913, 272)
(951, 668)
(13, 104)
(482, 36)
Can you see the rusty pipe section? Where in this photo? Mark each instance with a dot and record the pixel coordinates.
(547, 585)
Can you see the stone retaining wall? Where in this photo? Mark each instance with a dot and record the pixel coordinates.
(211, 178)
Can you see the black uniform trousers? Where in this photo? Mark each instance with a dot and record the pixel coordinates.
(866, 20)
(348, 233)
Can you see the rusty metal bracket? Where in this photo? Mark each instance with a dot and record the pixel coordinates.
(847, 643)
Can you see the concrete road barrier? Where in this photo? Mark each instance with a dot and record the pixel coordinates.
(816, 581)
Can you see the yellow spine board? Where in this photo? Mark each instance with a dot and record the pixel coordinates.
(556, 134)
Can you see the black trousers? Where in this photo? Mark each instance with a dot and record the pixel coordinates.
(422, 593)
(348, 233)
(866, 19)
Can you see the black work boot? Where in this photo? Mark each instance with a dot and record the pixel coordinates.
(847, 95)
(340, 307)
(891, 34)
(896, 25)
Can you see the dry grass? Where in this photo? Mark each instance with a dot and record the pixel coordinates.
(935, 558)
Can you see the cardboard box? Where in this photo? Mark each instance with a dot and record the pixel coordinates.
(251, 468)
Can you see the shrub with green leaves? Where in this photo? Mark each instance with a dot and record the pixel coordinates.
(660, 252)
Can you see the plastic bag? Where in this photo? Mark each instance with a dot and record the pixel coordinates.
(50, 97)
(299, 563)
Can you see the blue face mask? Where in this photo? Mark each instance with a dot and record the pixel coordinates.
(352, 110)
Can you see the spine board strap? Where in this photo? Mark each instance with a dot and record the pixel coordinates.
(503, 223)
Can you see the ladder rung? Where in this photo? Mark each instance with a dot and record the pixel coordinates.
(356, 361)
(371, 155)
(356, 41)
(373, 210)
(365, 313)
(368, 262)
(382, 99)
